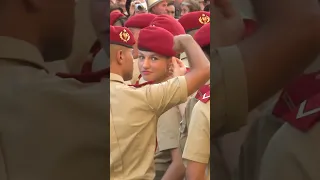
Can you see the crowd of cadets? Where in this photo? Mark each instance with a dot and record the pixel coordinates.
(161, 126)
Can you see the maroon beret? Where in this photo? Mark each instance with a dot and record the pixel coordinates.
(121, 36)
(156, 39)
(115, 16)
(194, 20)
(169, 23)
(140, 20)
(202, 36)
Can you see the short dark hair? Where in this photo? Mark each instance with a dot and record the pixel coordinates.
(170, 3)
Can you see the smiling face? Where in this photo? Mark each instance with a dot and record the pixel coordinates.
(154, 67)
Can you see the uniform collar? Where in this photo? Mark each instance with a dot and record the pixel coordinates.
(22, 51)
(116, 77)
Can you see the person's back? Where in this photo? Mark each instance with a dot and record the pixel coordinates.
(43, 120)
(51, 128)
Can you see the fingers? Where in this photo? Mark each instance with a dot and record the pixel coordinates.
(179, 62)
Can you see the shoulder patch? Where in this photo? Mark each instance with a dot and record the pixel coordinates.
(203, 94)
(306, 115)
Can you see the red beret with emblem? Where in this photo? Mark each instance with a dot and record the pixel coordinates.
(115, 16)
(156, 39)
(169, 23)
(140, 20)
(121, 36)
(202, 36)
(194, 20)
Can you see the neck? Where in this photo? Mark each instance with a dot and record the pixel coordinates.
(15, 27)
(163, 80)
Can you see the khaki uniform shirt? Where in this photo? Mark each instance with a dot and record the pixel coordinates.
(135, 73)
(167, 137)
(50, 128)
(133, 122)
(197, 146)
(292, 154)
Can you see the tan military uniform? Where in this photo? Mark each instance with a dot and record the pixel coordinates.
(167, 138)
(292, 154)
(258, 136)
(228, 89)
(50, 128)
(197, 146)
(133, 122)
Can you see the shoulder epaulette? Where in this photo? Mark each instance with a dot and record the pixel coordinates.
(88, 77)
(203, 94)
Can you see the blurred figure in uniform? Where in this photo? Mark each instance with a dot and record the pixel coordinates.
(297, 108)
(288, 43)
(188, 6)
(155, 64)
(157, 7)
(133, 124)
(135, 24)
(37, 142)
(171, 9)
(191, 22)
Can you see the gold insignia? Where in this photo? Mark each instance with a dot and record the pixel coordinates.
(124, 36)
(204, 19)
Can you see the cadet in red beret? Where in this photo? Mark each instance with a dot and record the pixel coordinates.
(121, 44)
(135, 24)
(154, 57)
(202, 37)
(156, 65)
(117, 18)
(193, 21)
(173, 26)
(169, 23)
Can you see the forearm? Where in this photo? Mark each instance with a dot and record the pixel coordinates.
(175, 171)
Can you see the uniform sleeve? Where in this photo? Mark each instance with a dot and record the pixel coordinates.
(287, 156)
(166, 95)
(168, 129)
(197, 147)
(229, 77)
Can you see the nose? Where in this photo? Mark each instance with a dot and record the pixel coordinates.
(146, 64)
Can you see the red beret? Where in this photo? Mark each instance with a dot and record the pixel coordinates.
(156, 39)
(121, 36)
(202, 36)
(140, 20)
(115, 16)
(250, 27)
(194, 20)
(169, 23)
